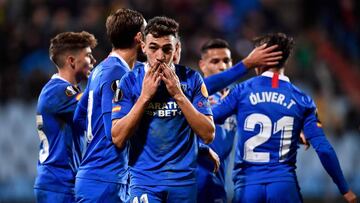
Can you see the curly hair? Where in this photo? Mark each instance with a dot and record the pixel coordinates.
(284, 42)
(69, 41)
(162, 26)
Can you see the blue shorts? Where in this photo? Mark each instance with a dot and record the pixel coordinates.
(87, 190)
(210, 188)
(276, 192)
(159, 194)
(50, 196)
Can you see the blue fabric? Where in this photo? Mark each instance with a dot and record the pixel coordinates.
(102, 161)
(270, 121)
(87, 190)
(277, 192)
(60, 149)
(164, 147)
(217, 82)
(211, 187)
(45, 196)
(160, 194)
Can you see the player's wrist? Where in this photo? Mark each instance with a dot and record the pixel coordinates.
(248, 63)
(179, 97)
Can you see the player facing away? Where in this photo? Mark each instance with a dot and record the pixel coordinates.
(271, 112)
(60, 149)
(102, 175)
(159, 107)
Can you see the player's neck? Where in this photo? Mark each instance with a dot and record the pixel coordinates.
(68, 76)
(129, 55)
(280, 71)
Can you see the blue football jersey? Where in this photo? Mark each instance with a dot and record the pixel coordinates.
(271, 112)
(102, 161)
(164, 148)
(222, 145)
(60, 149)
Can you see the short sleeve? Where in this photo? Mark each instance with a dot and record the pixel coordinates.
(200, 99)
(122, 101)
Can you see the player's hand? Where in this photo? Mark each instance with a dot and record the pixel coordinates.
(350, 197)
(171, 81)
(151, 82)
(215, 159)
(304, 141)
(262, 56)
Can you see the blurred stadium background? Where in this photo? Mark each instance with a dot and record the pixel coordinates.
(326, 64)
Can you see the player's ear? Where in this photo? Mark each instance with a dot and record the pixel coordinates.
(202, 65)
(143, 46)
(138, 38)
(70, 60)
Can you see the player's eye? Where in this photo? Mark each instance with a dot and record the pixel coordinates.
(215, 61)
(226, 60)
(167, 50)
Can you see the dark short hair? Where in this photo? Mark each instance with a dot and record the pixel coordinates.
(162, 26)
(284, 42)
(216, 43)
(69, 42)
(122, 26)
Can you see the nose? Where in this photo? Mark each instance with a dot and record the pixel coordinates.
(222, 66)
(160, 56)
(93, 60)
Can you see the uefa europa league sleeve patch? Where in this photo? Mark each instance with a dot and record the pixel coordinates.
(114, 85)
(204, 91)
(71, 91)
(118, 95)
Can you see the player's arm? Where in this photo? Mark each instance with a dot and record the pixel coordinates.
(202, 124)
(81, 111)
(315, 135)
(260, 56)
(226, 107)
(127, 120)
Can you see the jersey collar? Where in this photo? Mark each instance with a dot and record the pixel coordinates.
(114, 54)
(271, 74)
(147, 67)
(57, 76)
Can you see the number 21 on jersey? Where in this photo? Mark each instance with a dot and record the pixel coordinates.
(267, 128)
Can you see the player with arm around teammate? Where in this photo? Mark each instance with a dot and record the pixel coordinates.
(271, 112)
(60, 150)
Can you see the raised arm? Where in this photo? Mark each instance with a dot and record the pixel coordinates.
(260, 56)
(125, 124)
(202, 125)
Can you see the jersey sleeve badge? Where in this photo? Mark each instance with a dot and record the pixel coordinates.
(204, 91)
(71, 91)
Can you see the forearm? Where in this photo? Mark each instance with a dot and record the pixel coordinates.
(221, 80)
(202, 125)
(123, 128)
(330, 162)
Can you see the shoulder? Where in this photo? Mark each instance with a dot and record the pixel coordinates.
(303, 98)
(135, 74)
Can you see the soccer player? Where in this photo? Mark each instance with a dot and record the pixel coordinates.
(60, 151)
(160, 106)
(271, 112)
(215, 58)
(102, 175)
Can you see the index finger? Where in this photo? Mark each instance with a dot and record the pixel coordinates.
(271, 48)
